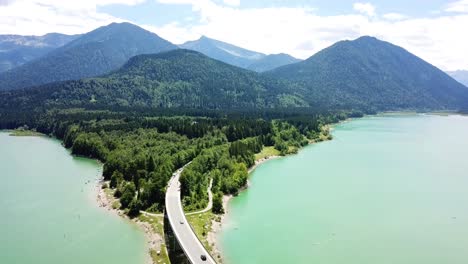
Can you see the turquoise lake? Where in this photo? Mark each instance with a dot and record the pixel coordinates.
(387, 189)
(49, 213)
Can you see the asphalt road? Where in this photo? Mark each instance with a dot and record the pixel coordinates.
(189, 242)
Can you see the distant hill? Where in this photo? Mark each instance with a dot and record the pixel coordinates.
(460, 76)
(271, 62)
(95, 53)
(237, 56)
(178, 78)
(368, 72)
(16, 50)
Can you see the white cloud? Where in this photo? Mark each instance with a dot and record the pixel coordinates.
(458, 7)
(439, 39)
(394, 16)
(301, 32)
(232, 2)
(365, 8)
(44, 16)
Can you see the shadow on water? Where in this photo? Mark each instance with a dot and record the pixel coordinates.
(175, 252)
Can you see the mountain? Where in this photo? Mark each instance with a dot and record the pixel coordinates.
(237, 56)
(223, 51)
(271, 62)
(95, 53)
(460, 76)
(178, 78)
(368, 72)
(16, 50)
(364, 74)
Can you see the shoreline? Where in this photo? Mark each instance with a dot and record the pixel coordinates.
(153, 240)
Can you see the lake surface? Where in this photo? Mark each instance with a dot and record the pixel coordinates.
(48, 211)
(386, 190)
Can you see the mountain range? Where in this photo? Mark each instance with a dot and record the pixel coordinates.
(16, 50)
(97, 52)
(136, 68)
(35, 60)
(237, 56)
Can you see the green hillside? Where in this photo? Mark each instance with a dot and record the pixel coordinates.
(178, 78)
(368, 72)
(95, 53)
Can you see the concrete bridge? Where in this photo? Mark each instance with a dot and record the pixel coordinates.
(183, 232)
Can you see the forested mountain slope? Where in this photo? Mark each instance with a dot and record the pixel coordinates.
(178, 78)
(368, 72)
(365, 74)
(95, 53)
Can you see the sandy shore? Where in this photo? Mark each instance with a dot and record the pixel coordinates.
(153, 240)
(216, 228)
(217, 225)
(261, 161)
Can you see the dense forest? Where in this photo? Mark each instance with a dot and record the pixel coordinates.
(174, 79)
(140, 150)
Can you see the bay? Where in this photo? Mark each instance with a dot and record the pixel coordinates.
(49, 212)
(387, 189)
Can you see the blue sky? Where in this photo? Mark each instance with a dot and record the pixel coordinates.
(150, 11)
(432, 29)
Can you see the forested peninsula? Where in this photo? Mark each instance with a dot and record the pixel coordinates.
(141, 149)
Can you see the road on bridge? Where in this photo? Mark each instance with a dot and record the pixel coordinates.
(191, 245)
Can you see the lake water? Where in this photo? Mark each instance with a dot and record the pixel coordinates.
(386, 190)
(48, 211)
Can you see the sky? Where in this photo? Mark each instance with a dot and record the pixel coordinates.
(435, 30)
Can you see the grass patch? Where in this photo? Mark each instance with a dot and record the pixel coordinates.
(25, 133)
(443, 113)
(157, 224)
(201, 224)
(110, 197)
(116, 205)
(267, 152)
(162, 257)
(325, 135)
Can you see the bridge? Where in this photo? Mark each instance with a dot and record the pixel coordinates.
(188, 241)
